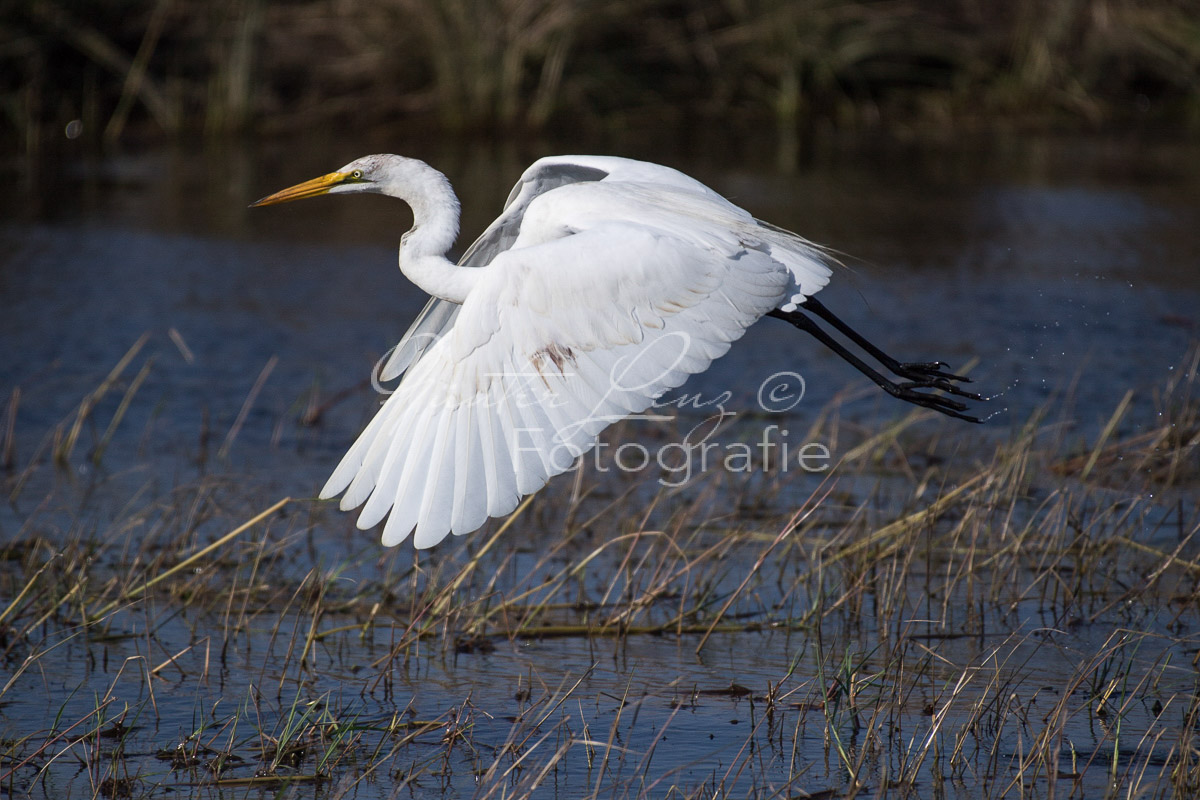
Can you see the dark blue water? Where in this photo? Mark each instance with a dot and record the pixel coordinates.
(1061, 272)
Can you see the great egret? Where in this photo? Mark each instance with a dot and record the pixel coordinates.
(604, 283)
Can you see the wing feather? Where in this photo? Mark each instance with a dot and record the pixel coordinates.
(435, 516)
(438, 315)
(501, 480)
(350, 464)
(586, 317)
(410, 489)
(548, 392)
(469, 507)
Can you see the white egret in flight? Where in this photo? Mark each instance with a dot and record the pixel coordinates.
(604, 283)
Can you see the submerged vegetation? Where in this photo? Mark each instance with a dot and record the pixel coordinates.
(176, 66)
(921, 622)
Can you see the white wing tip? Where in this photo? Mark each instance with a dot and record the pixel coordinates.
(395, 532)
(365, 523)
(338, 482)
(427, 537)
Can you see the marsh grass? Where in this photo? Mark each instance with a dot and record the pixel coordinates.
(946, 613)
(172, 67)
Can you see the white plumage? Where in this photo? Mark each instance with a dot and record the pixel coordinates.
(604, 283)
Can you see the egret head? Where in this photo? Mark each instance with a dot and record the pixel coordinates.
(434, 205)
(381, 174)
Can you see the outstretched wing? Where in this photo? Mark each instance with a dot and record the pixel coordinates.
(542, 176)
(438, 315)
(559, 339)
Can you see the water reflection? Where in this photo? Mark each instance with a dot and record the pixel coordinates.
(1066, 268)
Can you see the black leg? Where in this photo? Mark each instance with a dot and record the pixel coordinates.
(913, 371)
(918, 376)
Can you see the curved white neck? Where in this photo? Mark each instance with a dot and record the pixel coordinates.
(435, 227)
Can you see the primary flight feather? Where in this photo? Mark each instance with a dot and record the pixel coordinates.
(603, 284)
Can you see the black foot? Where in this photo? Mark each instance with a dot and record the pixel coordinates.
(921, 379)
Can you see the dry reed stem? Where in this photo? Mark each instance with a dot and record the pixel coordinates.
(903, 617)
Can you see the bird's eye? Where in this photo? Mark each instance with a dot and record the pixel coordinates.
(357, 174)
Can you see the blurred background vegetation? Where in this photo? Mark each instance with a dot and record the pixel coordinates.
(170, 68)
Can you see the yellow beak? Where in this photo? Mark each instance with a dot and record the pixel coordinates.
(311, 188)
